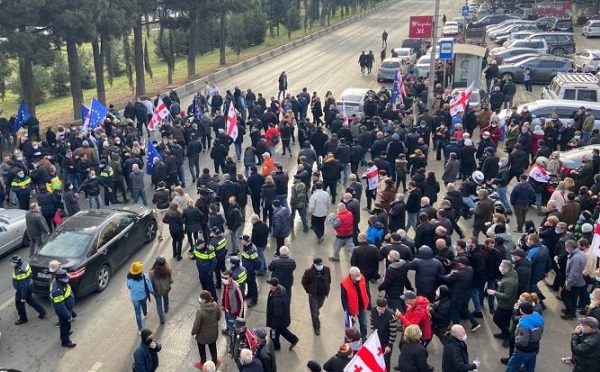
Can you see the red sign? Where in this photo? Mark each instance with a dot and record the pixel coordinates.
(420, 27)
(559, 9)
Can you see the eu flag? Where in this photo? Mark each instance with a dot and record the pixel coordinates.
(396, 87)
(96, 114)
(198, 114)
(23, 115)
(152, 153)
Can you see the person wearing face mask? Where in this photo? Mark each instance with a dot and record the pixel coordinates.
(91, 186)
(456, 354)
(21, 278)
(146, 355)
(316, 281)
(522, 266)
(22, 187)
(574, 282)
(460, 282)
(506, 295)
(232, 303)
(540, 264)
(63, 301)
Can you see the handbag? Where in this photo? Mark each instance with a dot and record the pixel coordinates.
(57, 218)
(148, 298)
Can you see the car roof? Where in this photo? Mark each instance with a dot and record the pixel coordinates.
(393, 59)
(11, 215)
(591, 51)
(355, 91)
(578, 152)
(89, 221)
(561, 102)
(537, 34)
(406, 50)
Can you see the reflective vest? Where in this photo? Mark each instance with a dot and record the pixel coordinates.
(18, 182)
(54, 184)
(205, 254)
(240, 275)
(218, 243)
(107, 172)
(61, 298)
(253, 255)
(24, 274)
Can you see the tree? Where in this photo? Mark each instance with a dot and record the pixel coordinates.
(143, 7)
(226, 6)
(60, 77)
(165, 42)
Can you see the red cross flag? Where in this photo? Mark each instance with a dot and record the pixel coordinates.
(344, 114)
(596, 239)
(459, 103)
(369, 358)
(160, 112)
(232, 124)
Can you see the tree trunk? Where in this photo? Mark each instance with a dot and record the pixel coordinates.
(75, 78)
(106, 52)
(128, 60)
(193, 46)
(165, 52)
(171, 63)
(99, 72)
(27, 83)
(222, 33)
(147, 24)
(138, 50)
(306, 11)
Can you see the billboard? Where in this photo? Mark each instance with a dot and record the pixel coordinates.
(420, 27)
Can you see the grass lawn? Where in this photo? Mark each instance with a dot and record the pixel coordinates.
(55, 111)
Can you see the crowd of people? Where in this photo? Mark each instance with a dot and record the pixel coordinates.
(366, 157)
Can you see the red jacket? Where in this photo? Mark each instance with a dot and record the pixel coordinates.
(418, 314)
(350, 295)
(345, 229)
(272, 131)
(495, 134)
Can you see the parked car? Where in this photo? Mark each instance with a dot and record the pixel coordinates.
(406, 54)
(502, 35)
(542, 23)
(388, 68)
(544, 108)
(501, 55)
(521, 57)
(571, 160)
(587, 60)
(561, 24)
(13, 230)
(544, 68)
(539, 45)
(503, 25)
(353, 99)
(520, 35)
(418, 46)
(451, 29)
(573, 86)
(559, 43)
(492, 19)
(423, 64)
(92, 245)
(591, 28)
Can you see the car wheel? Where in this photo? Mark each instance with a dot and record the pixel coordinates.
(150, 231)
(558, 52)
(102, 278)
(507, 75)
(26, 241)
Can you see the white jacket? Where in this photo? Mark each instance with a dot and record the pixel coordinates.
(318, 204)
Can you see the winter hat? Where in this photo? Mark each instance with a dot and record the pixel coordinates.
(587, 228)
(53, 266)
(468, 142)
(136, 268)
(276, 203)
(144, 334)
(313, 366)
(260, 333)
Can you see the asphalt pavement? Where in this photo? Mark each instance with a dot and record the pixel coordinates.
(105, 330)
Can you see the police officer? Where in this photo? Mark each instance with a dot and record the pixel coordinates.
(107, 180)
(63, 300)
(218, 243)
(252, 263)
(239, 273)
(206, 262)
(22, 187)
(22, 284)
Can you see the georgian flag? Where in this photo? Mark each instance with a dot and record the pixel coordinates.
(369, 358)
(160, 112)
(344, 114)
(460, 102)
(372, 174)
(232, 124)
(596, 240)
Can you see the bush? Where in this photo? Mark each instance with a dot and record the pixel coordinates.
(581, 20)
(60, 78)
(42, 81)
(86, 67)
(255, 25)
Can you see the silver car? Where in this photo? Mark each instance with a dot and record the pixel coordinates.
(13, 230)
(591, 29)
(388, 68)
(587, 60)
(423, 64)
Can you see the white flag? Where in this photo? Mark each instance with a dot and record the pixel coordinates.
(369, 358)
(160, 112)
(459, 103)
(232, 125)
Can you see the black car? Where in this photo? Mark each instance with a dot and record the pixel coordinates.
(561, 24)
(92, 244)
(418, 46)
(492, 19)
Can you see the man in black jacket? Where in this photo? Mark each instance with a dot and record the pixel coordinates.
(395, 280)
(282, 268)
(281, 180)
(456, 356)
(460, 281)
(317, 283)
(260, 238)
(353, 206)
(522, 266)
(364, 256)
(384, 321)
(194, 148)
(278, 314)
(342, 154)
(427, 271)
(518, 161)
(395, 245)
(265, 351)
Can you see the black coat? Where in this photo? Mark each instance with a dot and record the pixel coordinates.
(336, 363)
(440, 312)
(397, 215)
(460, 282)
(427, 269)
(586, 352)
(523, 269)
(278, 309)
(192, 217)
(283, 268)
(413, 357)
(395, 280)
(456, 356)
(365, 258)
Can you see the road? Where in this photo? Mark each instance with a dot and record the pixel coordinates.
(105, 330)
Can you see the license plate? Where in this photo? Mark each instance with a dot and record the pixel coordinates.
(44, 276)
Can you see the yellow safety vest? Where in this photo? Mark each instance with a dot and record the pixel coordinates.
(221, 244)
(205, 256)
(242, 278)
(24, 182)
(24, 275)
(110, 173)
(62, 297)
(251, 256)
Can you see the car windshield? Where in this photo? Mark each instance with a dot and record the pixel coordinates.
(390, 65)
(352, 98)
(67, 244)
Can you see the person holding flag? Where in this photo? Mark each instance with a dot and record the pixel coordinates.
(160, 113)
(22, 116)
(398, 89)
(369, 357)
(95, 115)
(372, 176)
(460, 102)
(152, 153)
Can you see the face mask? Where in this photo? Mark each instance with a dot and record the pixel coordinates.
(319, 267)
(35, 147)
(581, 218)
(20, 158)
(523, 131)
(225, 281)
(65, 280)
(464, 338)
(598, 278)
(437, 294)
(21, 175)
(592, 298)
(92, 177)
(71, 187)
(502, 270)
(576, 137)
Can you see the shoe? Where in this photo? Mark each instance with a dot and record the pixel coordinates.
(543, 305)
(499, 335)
(166, 311)
(475, 327)
(321, 239)
(252, 304)
(397, 368)
(21, 321)
(160, 238)
(568, 316)
(492, 311)
(564, 311)
(582, 312)
(317, 332)
(198, 364)
(260, 273)
(42, 316)
(292, 346)
(224, 331)
(57, 324)
(162, 322)
(333, 259)
(69, 345)
(477, 314)
(178, 258)
(504, 360)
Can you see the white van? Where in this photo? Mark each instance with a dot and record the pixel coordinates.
(573, 86)
(544, 108)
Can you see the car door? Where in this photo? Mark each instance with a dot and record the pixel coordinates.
(8, 239)
(131, 235)
(107, 244)
(547, 70)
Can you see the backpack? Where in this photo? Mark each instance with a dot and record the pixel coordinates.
(274, 139)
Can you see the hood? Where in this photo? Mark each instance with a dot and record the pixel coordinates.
(210, 307)
(421, 303)
(425, 252)
(397, 265)
(531, 321)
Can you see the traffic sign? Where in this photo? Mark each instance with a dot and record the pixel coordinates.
(465, 11)
(446, 49)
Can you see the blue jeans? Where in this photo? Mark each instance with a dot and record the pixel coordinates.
(272, 150)
(501, 190)
(468, 201)
(284, 201)
(520, 358)
(346, 169)
(248, 166)
(339, 243)
(139, 307)
(162, 305)
(585, 137)
(137, 194)
(95, 202)
(229, 322)
(261, 257)
(476, 299)
(181, 175)
(362, 322)
(411, 220)
(538, 202)
(238, 150)
(302, 213)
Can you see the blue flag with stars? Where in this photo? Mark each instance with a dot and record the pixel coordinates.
(396, 87)
(152, 153)
(198, 114)
(23, 115)
(95, 115)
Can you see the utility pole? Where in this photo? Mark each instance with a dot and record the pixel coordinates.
(436, 16)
